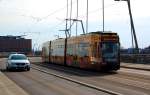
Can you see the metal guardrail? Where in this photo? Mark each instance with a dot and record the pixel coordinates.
(135, 58)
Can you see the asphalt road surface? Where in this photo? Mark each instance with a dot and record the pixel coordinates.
(124, 81)
(37, 83)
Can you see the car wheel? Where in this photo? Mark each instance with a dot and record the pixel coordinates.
(28, 68)
(7, 68)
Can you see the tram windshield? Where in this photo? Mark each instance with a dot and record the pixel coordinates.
(110, 50)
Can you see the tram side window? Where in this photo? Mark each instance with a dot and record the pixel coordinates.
(83, 49)
(70, 49)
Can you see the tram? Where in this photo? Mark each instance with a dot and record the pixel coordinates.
(95, 50)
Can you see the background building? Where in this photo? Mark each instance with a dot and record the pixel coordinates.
(10, 44)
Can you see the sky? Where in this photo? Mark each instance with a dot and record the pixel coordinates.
(41, 20)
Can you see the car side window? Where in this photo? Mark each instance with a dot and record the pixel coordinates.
(9, 58)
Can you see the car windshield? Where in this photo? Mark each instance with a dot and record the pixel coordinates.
(18, 57)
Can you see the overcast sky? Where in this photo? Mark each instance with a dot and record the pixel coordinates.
(41, 20)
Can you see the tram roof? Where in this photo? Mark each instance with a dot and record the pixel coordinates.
(103, 33)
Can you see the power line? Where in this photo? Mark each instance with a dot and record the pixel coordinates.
(57, 24)
(96, 10)
(67, 20)
(77, 17)
(87, 13)
(70, 16)
(38, 19)
(103, 13)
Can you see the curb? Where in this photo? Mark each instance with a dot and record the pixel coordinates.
(8, 87)
(136, 68)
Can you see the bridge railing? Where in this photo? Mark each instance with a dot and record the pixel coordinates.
(135, 58)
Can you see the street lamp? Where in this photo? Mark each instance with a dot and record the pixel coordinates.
(103, 15)
(132, 24)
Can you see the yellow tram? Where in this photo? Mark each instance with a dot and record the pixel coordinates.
(95, 50)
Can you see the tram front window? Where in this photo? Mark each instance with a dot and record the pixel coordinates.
(110, 51)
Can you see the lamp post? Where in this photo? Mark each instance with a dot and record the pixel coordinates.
(132, 25)
(103, 15)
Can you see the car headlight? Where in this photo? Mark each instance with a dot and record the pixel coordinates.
(28, 63)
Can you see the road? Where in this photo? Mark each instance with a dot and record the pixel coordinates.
(124, 81)
(37, 83)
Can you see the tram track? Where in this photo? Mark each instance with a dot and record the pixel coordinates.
(97, 80)
(76, 71)
(78, 82)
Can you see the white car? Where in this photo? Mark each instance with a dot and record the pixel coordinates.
(18, 61)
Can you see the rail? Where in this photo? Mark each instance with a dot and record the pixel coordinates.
(78, 82)
(135, 58)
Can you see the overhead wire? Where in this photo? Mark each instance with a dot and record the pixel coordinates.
(87, 13)
(62, 22)
(96, 10)
(38, 19)
(77, 17)
(56, 11)
(66, 30)
(103, 15)
(70, 16)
